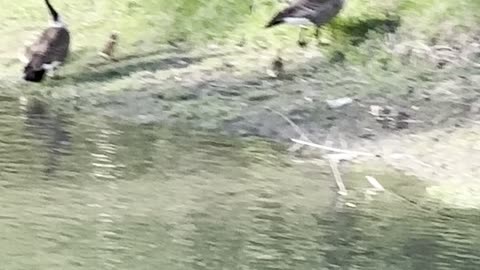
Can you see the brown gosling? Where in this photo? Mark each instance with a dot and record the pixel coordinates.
(109, 49)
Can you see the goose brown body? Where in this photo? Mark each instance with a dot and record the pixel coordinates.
(317, 12)
(50, 49)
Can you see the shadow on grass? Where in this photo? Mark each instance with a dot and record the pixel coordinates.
(120, 69)
(131, 57)
(357, 30)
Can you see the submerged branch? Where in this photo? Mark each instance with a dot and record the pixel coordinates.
(328, 148)
(338, 177)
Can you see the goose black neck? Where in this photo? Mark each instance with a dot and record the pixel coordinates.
(52, 11)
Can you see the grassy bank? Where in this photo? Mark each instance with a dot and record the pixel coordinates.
(377, 50)
(397, 53)
(145, 24)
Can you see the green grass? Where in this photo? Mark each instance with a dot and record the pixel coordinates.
(360, 32)
(198, 20)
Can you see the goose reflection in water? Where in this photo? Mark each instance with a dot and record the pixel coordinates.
(49, 128)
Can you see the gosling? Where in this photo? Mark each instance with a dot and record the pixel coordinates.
(109, 49)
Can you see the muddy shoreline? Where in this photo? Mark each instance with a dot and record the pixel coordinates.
(221, 93)
(393, 111)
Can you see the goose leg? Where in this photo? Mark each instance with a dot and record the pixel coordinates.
(321, 38)
(317, 32)
(301, 38)
(56, 73)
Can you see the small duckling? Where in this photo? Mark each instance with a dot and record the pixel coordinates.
(108, 51)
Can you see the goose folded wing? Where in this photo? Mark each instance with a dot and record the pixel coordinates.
(58, 46)
(52, 45)
(312, 10)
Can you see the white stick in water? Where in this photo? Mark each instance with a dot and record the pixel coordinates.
(338, 178)
(375, 183)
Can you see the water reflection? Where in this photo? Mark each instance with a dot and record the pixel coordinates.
(104, 154)
(124, 196)
(49, 128)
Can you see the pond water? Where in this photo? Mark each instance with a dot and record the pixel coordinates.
(79, 191)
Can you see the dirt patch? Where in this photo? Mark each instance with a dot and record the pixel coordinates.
(233, 98)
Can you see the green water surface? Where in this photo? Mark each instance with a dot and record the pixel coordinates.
(83, 192)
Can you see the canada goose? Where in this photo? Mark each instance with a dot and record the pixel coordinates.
(308, 12)
(49, 51)
(109, 48)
